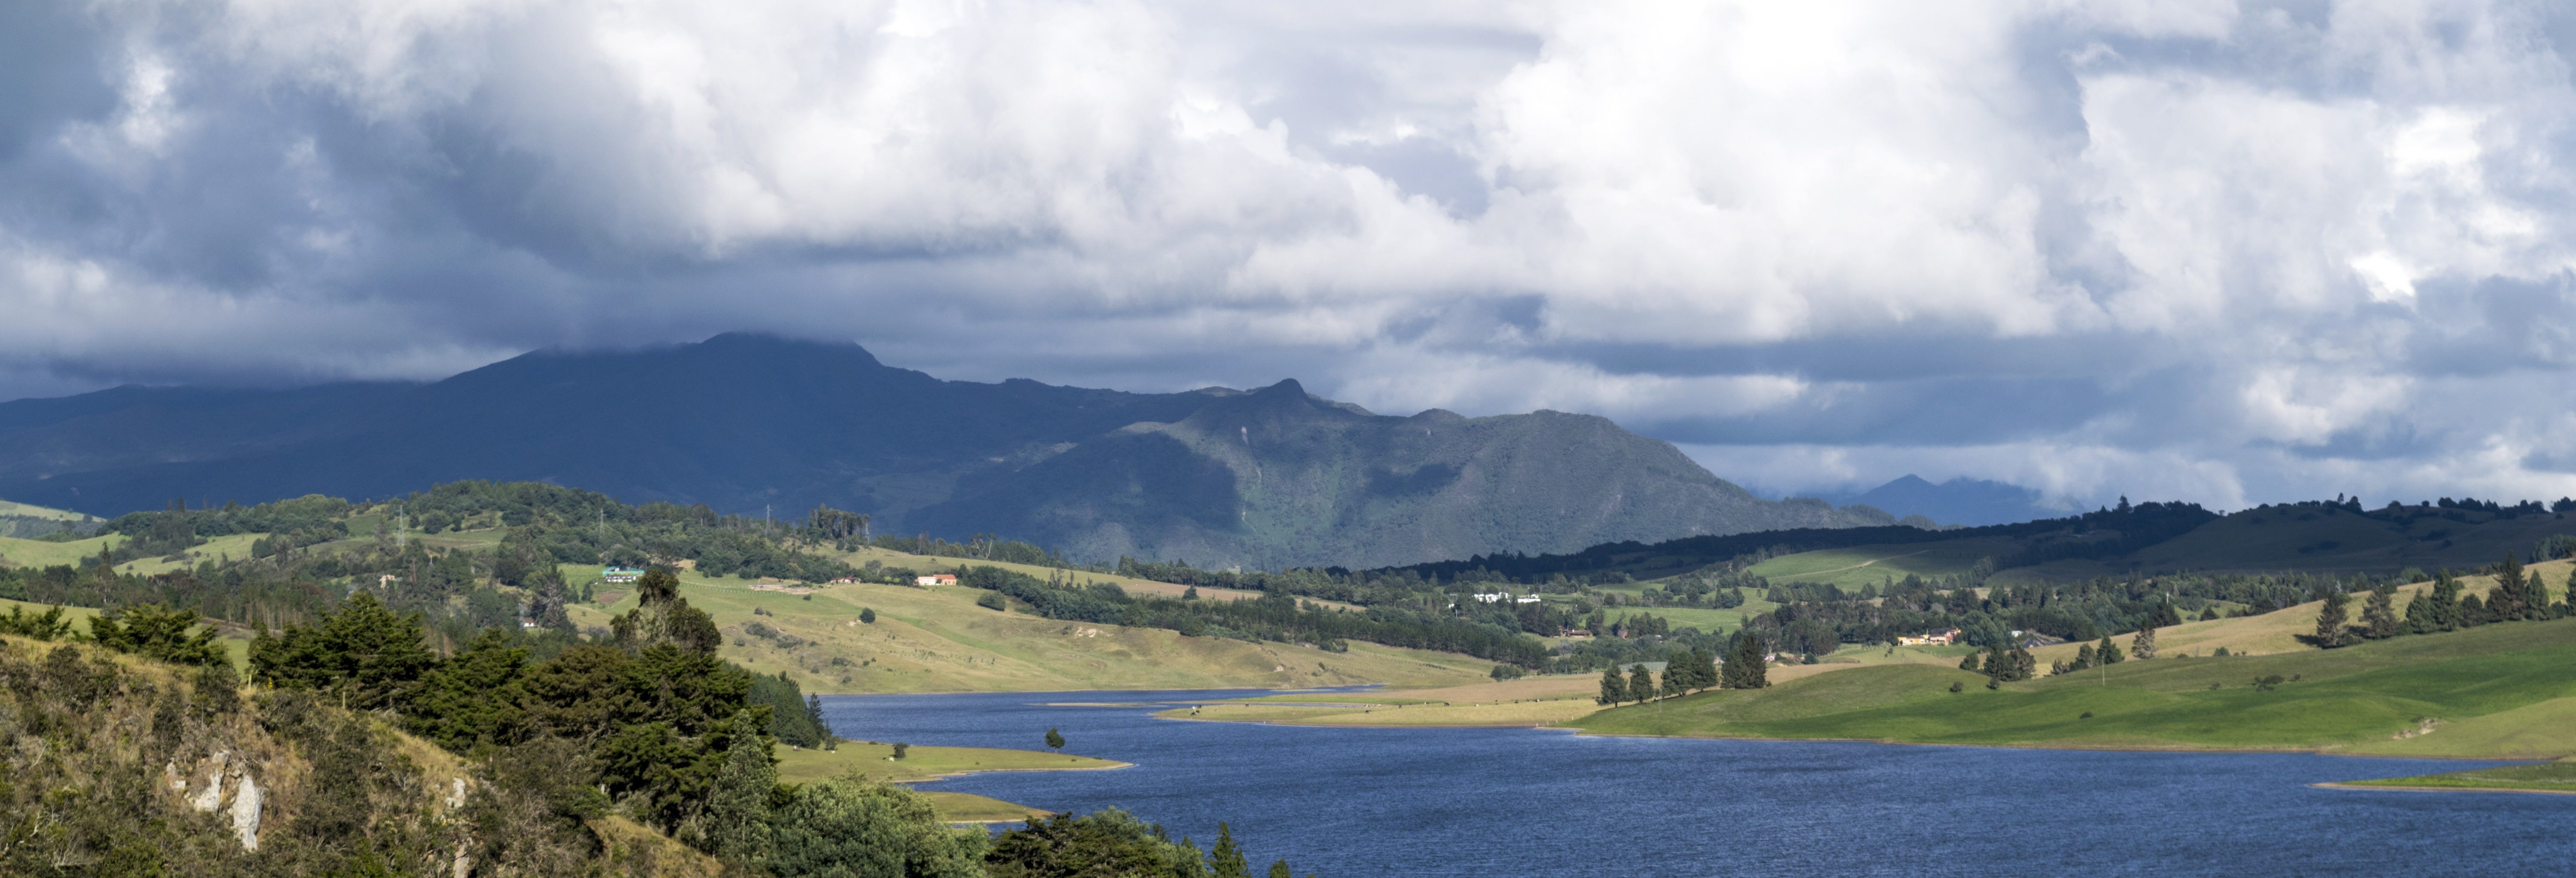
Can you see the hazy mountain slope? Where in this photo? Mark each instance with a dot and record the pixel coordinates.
(1279, 477)
(1962, 500)
(740, 422)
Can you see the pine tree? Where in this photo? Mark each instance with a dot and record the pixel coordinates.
(1745, 669)
(1614, 689)
(2144, 645)
(1226, 859)
(2330, 620)
(2444, 613)
(2507, 602)
(1970, 663)
(2209, 614)
(1280, 870)
(2107, 653)
(2379, 615)
(2083, 658)
(738, 806)
(1641, 683)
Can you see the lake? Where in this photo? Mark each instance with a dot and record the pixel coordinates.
(1485, 802)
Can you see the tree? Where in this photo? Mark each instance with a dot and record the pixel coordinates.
(1226, 859)
(1614, 689)
(2107, 652)
(2379, 614)
(2441, 605)
(1641, 683)
(2083, 658)
(662, 616)
(847, 826)
(2330, 618)
(2143, 646)
(992, 600)
(1280, 870)
(2508, 602)
(1747, 669)
(1970, 663)
(158, 632)
(41, 626)
(738, 807)
(2209, 614)
(1104, 842)
(2019, 665)
(1055, 740)
(867, 615)
(364, 652)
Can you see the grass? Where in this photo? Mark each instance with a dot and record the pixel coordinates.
(33, 511)
(936, 639)
(1531, 701)
(874, 760)
(1856, 566)
(16, 552)
(2373, 698)
(2550, 777)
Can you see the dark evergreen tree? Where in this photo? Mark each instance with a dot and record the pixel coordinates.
(2508, 601)
(2379, 614)
(2107, 652)
(1641, 683)
(1055, 740)
(1614, 689)
(2330, 619)
(1971, 663)
(1226, 859)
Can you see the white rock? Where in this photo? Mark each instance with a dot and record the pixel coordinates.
(246, 813)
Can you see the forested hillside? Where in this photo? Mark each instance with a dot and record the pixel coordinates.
(355, 747)
(744, 424)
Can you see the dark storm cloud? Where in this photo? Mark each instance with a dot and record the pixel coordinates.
(2213, 250)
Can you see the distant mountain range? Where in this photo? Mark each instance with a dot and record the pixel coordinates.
(742, 423)
(1960, 501)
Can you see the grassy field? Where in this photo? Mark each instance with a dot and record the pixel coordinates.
(930, 564)
(2377, 698)
(1531, 701)
(876, 762)
(34, 511)
(937, 640)
(1857, 566)
(2547, 777)
(16, 552)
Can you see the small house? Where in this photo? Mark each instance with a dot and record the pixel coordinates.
(621, 574)
(936, 579)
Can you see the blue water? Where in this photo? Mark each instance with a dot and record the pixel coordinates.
(1488, 802)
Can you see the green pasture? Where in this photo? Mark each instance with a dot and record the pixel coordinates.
(919, 763)
(16, 552)
(2548, 777)
(2371, 698)
(33, 511)
(1853, 567)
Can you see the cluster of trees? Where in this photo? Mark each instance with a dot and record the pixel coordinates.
(2001, 665)
(2095, 655)
(1689, 670)
(1272, 617)
(2518, 595)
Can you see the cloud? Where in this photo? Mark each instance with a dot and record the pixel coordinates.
(2224, 251)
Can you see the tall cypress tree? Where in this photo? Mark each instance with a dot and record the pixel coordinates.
(1614, 689)
(2107, 652)
(2444, 613)
(1641, 683)
(738, 806)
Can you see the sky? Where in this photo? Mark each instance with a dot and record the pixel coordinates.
(2222, 252)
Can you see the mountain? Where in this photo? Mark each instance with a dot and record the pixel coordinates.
(1961, 500)
(746, 422)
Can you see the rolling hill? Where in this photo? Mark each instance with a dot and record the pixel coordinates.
(747, 423)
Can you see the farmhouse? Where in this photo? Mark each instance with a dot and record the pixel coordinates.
(621, 574)
(1943, 637)
(936, 579)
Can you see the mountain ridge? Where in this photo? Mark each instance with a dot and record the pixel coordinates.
(1273, 476)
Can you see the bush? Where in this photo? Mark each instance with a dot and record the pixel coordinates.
(992, 600)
